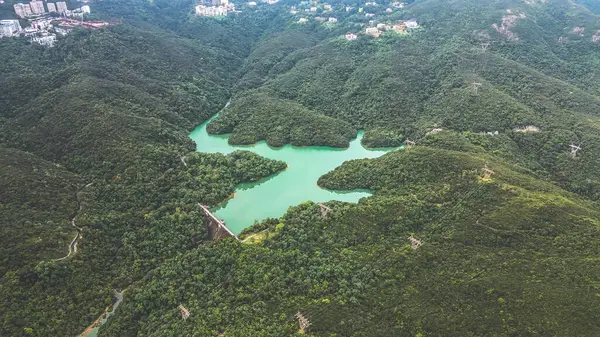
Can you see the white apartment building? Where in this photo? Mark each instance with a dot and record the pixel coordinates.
(44, 40)
(22, 10)
(51, 7)
(210, 11)
(37, 7)
(61, 7)
(9, 28)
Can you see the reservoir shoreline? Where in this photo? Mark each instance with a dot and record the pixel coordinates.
(271, 196)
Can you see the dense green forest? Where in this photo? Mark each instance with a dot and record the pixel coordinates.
(103, 118)
(396, 87)
(93, 145)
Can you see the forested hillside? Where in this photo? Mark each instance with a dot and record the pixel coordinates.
(100, 182)
(538, 72)
(509, 255)
(95, 129)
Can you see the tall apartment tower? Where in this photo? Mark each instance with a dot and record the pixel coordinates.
(37, 7)
(51, 7)
(61, 7)
(22, 10)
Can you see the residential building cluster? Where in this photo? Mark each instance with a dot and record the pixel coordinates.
(9, 28)
(327, 14)
(36, 8)
(40, 30)
(215, 8)
(400, 27)
(202, 10)
(43, 26)
(268, 2)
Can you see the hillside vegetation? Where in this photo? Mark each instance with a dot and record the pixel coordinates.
(399, 87)
(509, 255)
(103, 118)
(93, 140)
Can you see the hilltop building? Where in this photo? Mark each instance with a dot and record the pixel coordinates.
(401, 27)
(45, 40)
(40, 24)
(350, 36)
(411, 24)
(37, 7)
(61, 7)
(9, 28)
(22, 10)
(202, 10)
(373, 31)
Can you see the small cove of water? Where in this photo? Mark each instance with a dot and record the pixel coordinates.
(272, 196)
(93, 332)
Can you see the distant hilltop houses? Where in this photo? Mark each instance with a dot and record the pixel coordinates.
(328, 14)
(215, 8)
(321, 12)
(401, 27)
(313, 11)
(45, 26)
(351, 36)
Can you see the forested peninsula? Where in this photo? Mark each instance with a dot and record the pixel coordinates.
(485, 221)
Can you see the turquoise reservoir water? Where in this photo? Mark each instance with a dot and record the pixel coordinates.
(271, 197)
